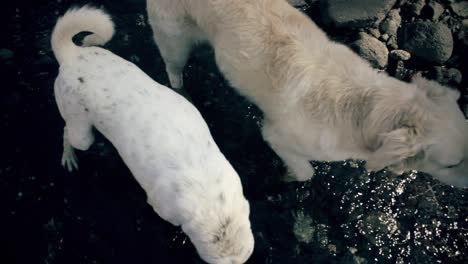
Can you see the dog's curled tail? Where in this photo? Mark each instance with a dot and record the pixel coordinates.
(77, 20)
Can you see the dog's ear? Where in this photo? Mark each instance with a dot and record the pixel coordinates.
(393, 149)
(433, 89)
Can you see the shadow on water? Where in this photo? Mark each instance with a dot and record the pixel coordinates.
(100, 215)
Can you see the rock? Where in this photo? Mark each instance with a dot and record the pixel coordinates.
(427, 41)
(392, 42)
(377, 225)
(372, 50)
(432, 10)
(391, 23)
(297, 3)
(460, 8)
(454, 23)
(399, 54)
(446, 76)
(6, 56)
(463, 33)
(302, 229)
(354, 13)
(415, 6)
(401, 72)
(374, 32)
(384, 37)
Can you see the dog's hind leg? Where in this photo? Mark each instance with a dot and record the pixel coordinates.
(75, 135)
(175, 53)
(175, 36)
(69, 160)
(298, 166)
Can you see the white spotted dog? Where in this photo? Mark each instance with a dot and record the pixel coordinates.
(161, 137)
(320, 100)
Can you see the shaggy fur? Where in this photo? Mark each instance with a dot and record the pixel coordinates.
(161, 137)
(321, 101)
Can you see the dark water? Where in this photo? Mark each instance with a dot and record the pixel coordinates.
(100, 215)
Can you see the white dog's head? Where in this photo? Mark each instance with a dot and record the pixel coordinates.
(445, 152)
(432, 136)
(229, 240)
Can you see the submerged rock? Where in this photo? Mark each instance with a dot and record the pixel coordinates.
(427, 41)
(354, 13)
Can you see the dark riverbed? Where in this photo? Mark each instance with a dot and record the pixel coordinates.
(100, 215)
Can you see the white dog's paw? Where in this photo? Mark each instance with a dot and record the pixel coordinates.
(303, 173)
(69, 159)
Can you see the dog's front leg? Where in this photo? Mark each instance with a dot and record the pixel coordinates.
(298, 166)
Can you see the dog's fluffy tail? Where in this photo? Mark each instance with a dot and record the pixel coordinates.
(77, 20)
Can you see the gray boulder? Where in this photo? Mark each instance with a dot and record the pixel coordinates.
(354, 13)
(391, 23)
(372, 50)
(427, 41)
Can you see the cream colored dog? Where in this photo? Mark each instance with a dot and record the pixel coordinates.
(320, 100)
(161, 137)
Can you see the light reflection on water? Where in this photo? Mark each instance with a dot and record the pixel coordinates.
(380, 207)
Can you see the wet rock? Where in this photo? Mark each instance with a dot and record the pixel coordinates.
(391, 23)
(460, 8)
(400, 55)
(427, 41)
(354, 13)
(372, 50)
(376, 225)
(433, 10)
(446, 76)
(302, 229)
